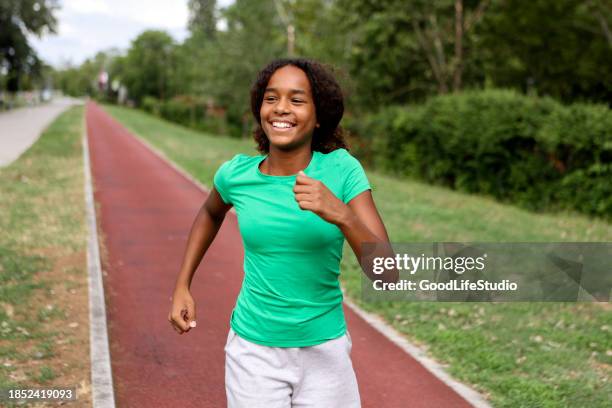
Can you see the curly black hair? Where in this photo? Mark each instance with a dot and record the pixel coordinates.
(328, 100)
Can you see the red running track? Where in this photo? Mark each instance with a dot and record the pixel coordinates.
(145, 211)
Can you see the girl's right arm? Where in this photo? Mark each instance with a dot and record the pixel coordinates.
(203, 231)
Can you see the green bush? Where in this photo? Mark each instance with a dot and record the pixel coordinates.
(151, 105)
(362, 135)
(579, 139)
(527, 150)
(185, 110)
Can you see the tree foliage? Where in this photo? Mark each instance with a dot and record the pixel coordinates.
(227, 66)
(386, 51)
(556, 48)
(202, 18)
(149, 66)
(18, 19)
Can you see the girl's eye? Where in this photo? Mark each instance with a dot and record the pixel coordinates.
(269, 98)
(297, 101)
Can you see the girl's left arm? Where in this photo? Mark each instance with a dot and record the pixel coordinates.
(360, 223)
(358, 220)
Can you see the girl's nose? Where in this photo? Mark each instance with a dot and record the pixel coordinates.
(281, 107)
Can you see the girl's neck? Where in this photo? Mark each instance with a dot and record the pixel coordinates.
(286, 163)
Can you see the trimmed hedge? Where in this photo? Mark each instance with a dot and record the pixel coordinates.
(185, 110)
(527, 150)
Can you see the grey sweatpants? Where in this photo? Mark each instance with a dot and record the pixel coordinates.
(318, 376)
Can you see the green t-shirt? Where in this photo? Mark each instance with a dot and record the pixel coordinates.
(290, 295)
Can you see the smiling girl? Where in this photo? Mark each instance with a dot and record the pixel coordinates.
(288, 345)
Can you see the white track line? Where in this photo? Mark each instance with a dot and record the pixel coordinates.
(467, 393)
(101, 375)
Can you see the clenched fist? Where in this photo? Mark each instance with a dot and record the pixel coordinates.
(314, 196)
(182, 315)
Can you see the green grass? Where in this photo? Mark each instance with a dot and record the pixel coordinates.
(45, 375)
(517, 354)
(42, 220)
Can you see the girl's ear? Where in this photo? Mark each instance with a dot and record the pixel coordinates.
(317, 125)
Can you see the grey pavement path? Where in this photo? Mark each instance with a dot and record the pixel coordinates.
(20, 128)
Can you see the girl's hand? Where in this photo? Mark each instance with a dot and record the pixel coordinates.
(314, 196)
(182, 314)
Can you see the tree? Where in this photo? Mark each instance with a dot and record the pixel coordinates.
(149, 66)
(555, 48)
(400, 47)
(285, 13)
(403, 51)
(226, 67)
(312, 29)
(18, 19)
(602, 12)
(202, 19)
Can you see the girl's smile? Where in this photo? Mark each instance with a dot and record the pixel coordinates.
(282, 125)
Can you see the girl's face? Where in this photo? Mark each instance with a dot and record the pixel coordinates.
(287, 111)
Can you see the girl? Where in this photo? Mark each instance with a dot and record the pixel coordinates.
(296, 203)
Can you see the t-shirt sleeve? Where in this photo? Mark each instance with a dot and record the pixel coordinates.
(355, 181)
(222, 178)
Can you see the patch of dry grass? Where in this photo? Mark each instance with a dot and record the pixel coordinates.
(44, 326)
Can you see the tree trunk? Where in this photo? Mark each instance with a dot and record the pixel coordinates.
(431, 58)
(290, 40)
(458, 71)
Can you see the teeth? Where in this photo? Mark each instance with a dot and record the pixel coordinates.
(281, 124)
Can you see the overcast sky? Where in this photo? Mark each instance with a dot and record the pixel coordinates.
(88, 26)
